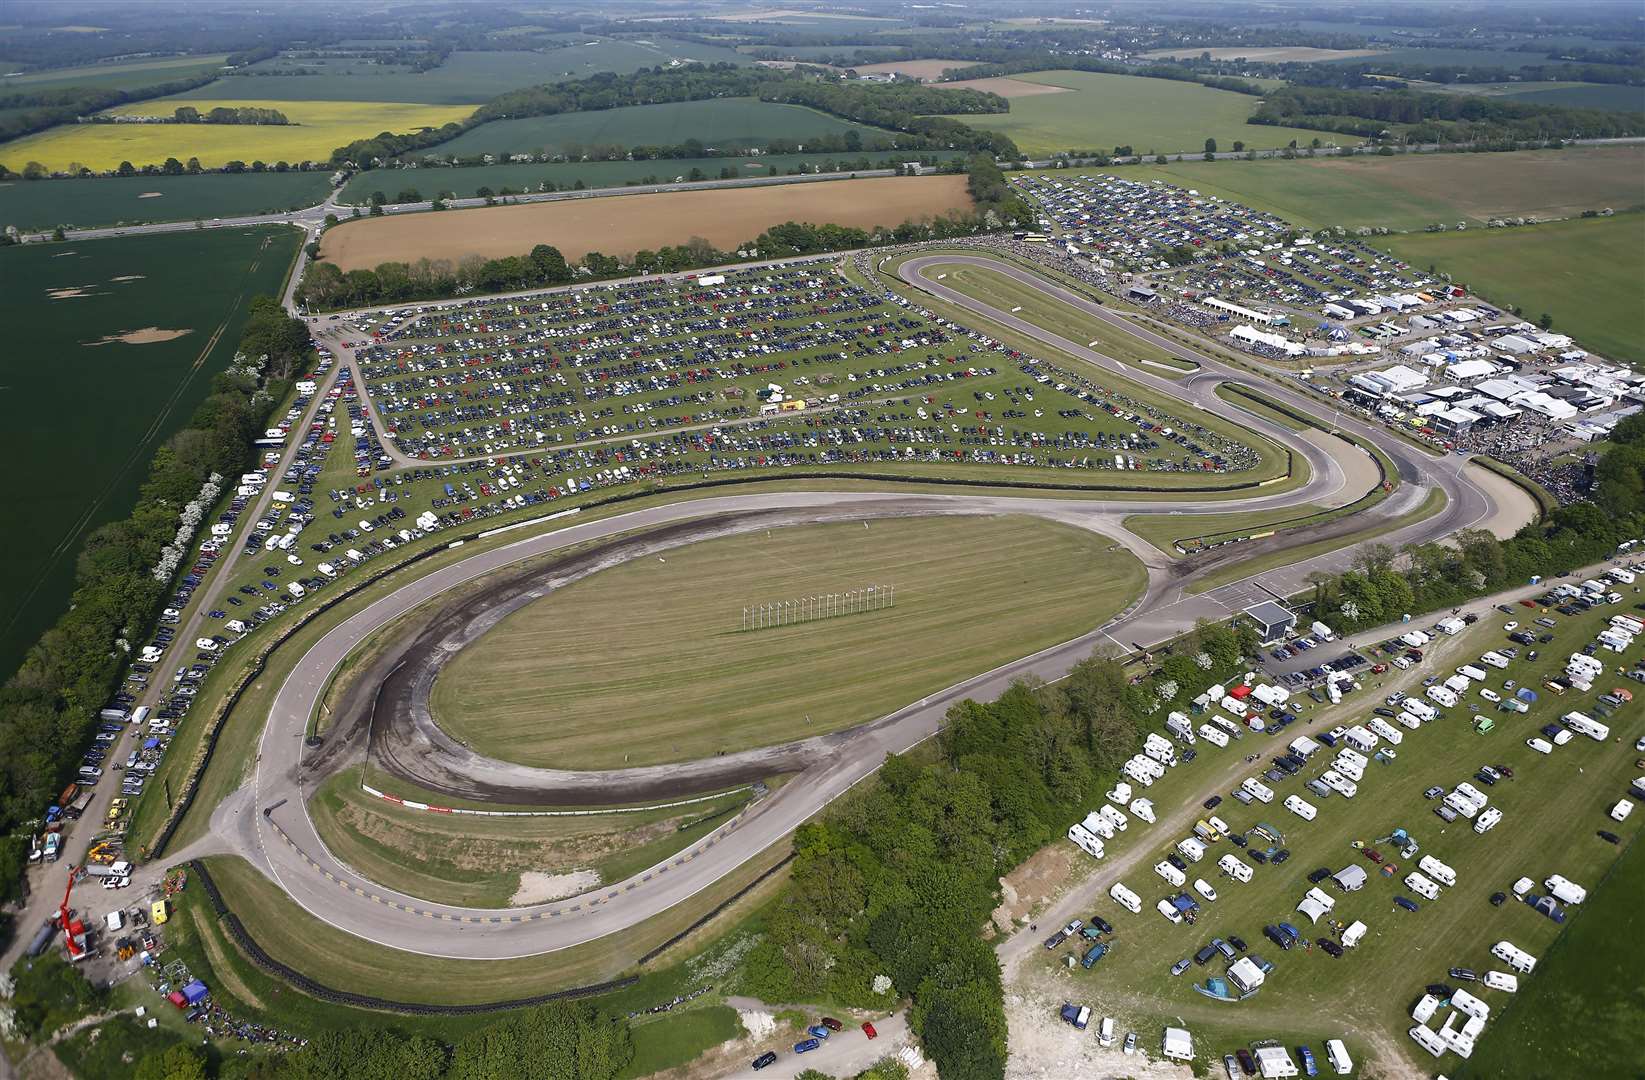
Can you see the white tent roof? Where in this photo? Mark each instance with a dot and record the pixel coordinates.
(1178, 1044)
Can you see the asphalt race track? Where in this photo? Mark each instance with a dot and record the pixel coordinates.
(269, 822)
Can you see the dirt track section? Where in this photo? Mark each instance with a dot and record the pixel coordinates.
(390, 700)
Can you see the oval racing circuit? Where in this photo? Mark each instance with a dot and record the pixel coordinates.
(268, 821)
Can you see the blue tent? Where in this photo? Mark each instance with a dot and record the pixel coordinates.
(1525, 694)
(150, 744)
(195, 992)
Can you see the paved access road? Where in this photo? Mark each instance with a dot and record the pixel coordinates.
(282, 840)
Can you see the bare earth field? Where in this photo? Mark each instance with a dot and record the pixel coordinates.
(915, 69)
(1004, 86)
(1278, 54)
(622, 225)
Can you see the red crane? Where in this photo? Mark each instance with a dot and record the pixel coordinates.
(74, 931)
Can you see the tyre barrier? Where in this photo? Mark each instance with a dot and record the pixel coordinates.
(718, 908)
(254, 952)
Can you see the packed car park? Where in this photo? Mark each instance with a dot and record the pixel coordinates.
(1475, 842)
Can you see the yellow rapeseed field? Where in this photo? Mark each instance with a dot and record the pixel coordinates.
(317, 128)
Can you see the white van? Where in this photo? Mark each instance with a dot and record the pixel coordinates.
(1105, 1033)
(1301, 807)
(141, 713)
(1165, 908)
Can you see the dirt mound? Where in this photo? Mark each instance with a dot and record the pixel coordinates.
(537, 887)
(149, 335)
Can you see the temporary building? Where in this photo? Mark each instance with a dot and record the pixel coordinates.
(1245, 974)
(1350, 878)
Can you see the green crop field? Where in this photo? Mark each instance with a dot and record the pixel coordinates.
(85, 204)
(1586, 96)
(82, 417)
(1408, 192)
(685, 681)
(466, 181)
(1586, 999)
(1365, 996)
(723, 122)
(466, 78)
(1585, 273)
(480, 861)
(1151, 115)
(127, 75)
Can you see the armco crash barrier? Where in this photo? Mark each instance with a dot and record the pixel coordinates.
(191, 783)
(302, 982)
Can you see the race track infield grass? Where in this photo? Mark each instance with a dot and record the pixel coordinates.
(1410, 191)
(478, 861)
(1584, 1002)
(722, 122)
(1150, 115)
(88, 204)
(1365, 996)
(316, 129)
(1164, 530)
(342, 961)
(1584, 273)
(646, 662)
(114, 402)
(1008, 294)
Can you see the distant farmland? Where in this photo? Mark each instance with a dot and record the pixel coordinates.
(317, 128)
(1411, 191)
(1151, 115)
(622, 225)
(727, 123)
(466, 181)
(91, 203)
(82, 414)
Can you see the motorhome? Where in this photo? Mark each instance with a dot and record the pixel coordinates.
(1125, 898)
(1085, 840)
(1514, 956)
(1180, 726)
(1419, 884)
(1487, 820)
(1437, 870)
(1301, 807)
(1585, 725)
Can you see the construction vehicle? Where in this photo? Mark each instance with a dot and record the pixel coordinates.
(74, 931)
(103, 852)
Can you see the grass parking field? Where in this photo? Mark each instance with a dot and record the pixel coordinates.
(730, 123)
(1008, 294)
(1586, 274)
(495, 862)
(316, 129)
(92, 203)
(1408, 192)
(670, 676)
(1365, 996)
(1150, 115)
(121, 337)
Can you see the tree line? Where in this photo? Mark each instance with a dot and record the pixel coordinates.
(223, 114)
(901, 880)
(24, 112)
(1437, 117)
(1385, 584)
(48, 708)
(881, 105)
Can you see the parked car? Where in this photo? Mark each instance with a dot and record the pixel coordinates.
(868, 1029)
(1462, 974)
(1181, 966)
(1406, 903)
(765, 1059)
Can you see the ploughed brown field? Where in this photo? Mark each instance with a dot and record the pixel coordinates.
(620, 225)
